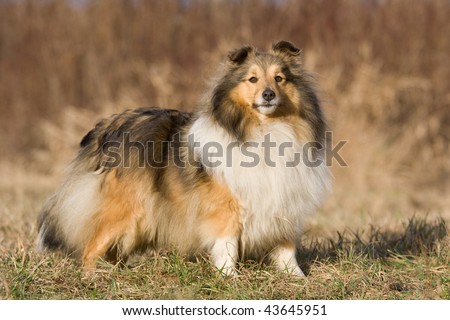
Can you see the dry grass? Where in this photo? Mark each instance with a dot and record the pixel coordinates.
(383, 72)
(411, 263)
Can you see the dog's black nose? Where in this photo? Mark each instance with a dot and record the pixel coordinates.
(268, 95)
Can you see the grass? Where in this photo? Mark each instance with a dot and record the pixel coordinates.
(406, 259)
(411, 263)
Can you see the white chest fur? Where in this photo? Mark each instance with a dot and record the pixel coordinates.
(275, 187)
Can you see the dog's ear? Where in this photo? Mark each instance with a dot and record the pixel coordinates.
(238, 56)
(286, 49)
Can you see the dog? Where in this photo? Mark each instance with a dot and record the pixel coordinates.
(222, 180)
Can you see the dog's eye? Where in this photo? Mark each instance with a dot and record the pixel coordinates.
(253, 79)
(278, 79)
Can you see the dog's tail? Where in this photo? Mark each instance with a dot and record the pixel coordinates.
(63, 222)
(48, 237)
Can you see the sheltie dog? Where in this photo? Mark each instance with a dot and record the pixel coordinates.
(225, 180)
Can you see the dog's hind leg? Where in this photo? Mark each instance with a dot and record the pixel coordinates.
(112, 223)
(102, 241)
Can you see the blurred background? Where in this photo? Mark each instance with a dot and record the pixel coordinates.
(382, 68)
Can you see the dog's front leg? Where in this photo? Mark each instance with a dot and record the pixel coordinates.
(283, 256)
(224, 255)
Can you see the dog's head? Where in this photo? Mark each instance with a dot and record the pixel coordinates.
(265, 80)
(264, 86)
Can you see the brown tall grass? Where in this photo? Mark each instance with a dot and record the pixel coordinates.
(382, 67)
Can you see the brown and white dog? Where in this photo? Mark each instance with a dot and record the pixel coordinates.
(224, 180)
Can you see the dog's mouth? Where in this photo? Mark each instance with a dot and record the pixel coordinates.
(265, 105)
(265, 108)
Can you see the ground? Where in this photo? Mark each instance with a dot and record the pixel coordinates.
(407, 261)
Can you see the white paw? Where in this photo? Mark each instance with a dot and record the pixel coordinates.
(284, 258)
(224, 255)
